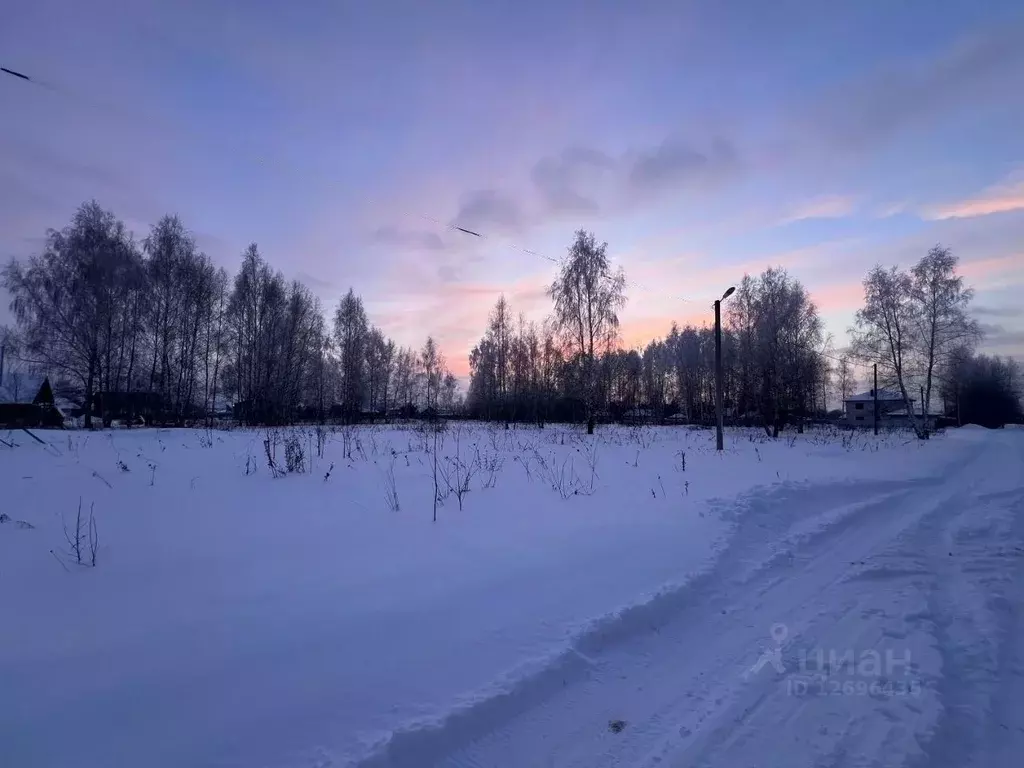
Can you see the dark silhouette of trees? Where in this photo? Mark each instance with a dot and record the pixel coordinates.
(154, 329)
(978, 389)
(158, 331)
(912, 322)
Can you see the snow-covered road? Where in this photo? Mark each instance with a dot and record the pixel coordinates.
(895, 608)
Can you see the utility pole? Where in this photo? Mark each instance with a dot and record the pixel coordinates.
(719, 416)
(719, 408)
(874, 394)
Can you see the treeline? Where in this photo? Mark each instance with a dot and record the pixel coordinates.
(571, 368)
(154, 329)
(978, 389)
(778, 367)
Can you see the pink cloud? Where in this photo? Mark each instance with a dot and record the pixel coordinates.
(825, 207)
(999, 198)
(997, 265)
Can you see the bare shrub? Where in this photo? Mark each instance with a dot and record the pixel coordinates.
(642, 436)
(561, 476)
(491, 467)
(348, 439)
(437, 488)
(270, 442)
(391, 488)
(455, 479)
(590, 454)
(83, 539)
(524, 461)
(455, 473)
(526, 445)
(501, 439)
(294, 456)
(94, 537)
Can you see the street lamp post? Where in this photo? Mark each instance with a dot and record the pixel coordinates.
(719, 410)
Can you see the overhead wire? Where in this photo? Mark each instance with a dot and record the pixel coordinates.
(451, 226)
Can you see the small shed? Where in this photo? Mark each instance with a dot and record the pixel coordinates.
(17, 410)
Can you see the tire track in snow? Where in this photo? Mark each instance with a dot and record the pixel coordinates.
(761, 546)
(680, 679)
(976, 605)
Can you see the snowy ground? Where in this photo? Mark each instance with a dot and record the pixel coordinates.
(593, 603)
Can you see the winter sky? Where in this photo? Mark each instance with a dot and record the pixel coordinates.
(701, 139)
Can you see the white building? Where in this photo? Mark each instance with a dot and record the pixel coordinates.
(859, 409)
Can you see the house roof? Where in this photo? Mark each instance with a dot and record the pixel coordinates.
(26, 385)
(884, 395)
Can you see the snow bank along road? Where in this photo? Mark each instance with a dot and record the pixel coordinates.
(896, 611)
(630, 599)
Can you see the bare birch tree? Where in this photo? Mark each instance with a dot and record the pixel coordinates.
(588, 294)
(912, 322)
(943, 323)
(885, 331)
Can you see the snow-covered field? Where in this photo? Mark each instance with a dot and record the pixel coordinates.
(595, 601)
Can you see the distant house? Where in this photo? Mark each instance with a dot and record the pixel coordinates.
(859, 409)
(17, 410)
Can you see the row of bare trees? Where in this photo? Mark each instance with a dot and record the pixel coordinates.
(778, 365)
(572, 366)
(154, 328)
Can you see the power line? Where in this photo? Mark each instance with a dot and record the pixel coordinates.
(15, 74)
(451, 227)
